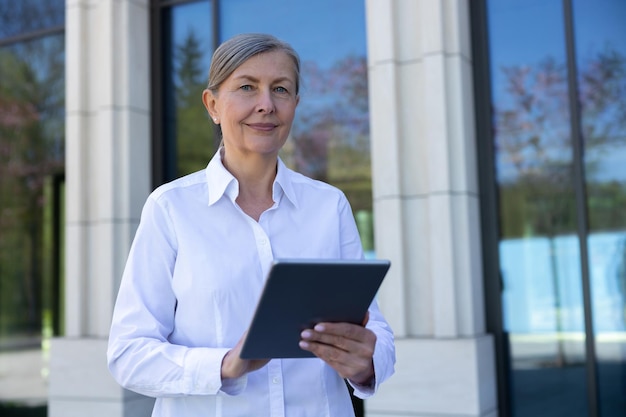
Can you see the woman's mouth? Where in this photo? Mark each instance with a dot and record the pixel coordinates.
(265, 127)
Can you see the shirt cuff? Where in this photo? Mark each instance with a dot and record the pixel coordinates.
(234, 386)
(364, 391)
(204, 367)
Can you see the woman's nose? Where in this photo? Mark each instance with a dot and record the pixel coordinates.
(266, 102)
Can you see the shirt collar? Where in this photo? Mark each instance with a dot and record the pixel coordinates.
(219, 179)
(221, 182)
(284, 182)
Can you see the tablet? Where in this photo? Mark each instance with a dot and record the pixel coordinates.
(299, 293)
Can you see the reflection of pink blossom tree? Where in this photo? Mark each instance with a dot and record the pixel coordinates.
(535, 155)
(532, 126)
(331, 132)
(532, 130)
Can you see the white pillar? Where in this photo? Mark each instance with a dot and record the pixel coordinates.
(107, 181)
(427, 209)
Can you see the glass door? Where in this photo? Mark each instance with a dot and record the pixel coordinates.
(600, 36)
(558, 136)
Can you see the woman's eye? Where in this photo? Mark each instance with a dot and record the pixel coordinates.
(246, 87)
(281, 90)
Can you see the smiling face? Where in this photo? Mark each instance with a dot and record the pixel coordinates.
(255, 105)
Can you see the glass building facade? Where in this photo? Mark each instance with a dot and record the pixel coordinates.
(550, 86)
(558, 148)
(32, 115)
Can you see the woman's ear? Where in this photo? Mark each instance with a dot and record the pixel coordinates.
(209, 101)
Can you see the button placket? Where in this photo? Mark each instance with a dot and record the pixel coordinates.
(263, 245)
(275, 371)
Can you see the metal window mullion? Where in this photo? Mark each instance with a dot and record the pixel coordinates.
(581, 208)
(489, 210)
(33, 35)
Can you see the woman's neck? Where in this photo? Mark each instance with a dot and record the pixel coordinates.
(255, 174)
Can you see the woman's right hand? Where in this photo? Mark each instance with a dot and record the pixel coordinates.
(234, 367)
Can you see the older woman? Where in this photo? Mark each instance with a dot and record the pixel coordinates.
(203, 249)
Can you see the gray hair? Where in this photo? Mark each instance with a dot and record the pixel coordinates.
(238, 49)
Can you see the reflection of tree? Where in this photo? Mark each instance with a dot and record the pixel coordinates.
(330, 137)
(194, 134)
(534, 144)
(31, 150)
(535, 149)
(602, 93)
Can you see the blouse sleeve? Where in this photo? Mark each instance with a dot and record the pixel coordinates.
(139, 355)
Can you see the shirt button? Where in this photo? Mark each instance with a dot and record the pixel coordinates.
(275, 380)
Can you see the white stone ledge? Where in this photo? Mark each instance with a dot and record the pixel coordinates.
(439, 377)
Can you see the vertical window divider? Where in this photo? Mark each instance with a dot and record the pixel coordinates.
(488, 196)
(156, 98)
(581, 207)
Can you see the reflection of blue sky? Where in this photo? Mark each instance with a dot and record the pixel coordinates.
(323, 31)
(600, 23)
(196, 18)
(525, 32)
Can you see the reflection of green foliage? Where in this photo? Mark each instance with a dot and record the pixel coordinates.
(534, 145)
(31, 150)
(545, 209)
(194, 132)
(607, 203)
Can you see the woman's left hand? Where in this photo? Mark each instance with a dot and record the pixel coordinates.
(347, 348)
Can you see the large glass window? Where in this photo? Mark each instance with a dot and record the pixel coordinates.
(601, 60)
(32, 135)
(544, 224)
(330, 136)
(539, 258)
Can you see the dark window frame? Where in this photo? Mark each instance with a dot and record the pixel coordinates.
(32, 35)
(488, 195)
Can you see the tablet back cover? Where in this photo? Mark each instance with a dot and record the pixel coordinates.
(300, 293)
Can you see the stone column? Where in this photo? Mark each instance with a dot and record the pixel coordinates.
(107, 181)
(426, 209)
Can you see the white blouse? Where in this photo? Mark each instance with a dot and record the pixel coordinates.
(191, 283)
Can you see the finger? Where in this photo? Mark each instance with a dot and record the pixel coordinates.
(347, 364)
(350, 331)
(362, 346)
(334, 341)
